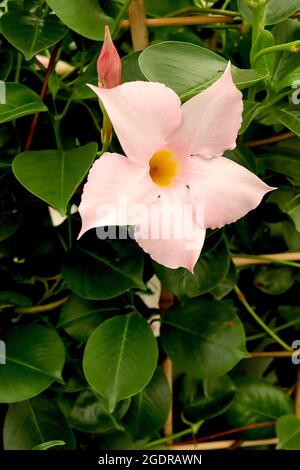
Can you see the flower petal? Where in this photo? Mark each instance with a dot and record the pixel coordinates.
(170, 234)
(223, 190)
(211, 120)
(113, 193)
(143, 114)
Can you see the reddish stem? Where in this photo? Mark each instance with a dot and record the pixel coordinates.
(42, 95)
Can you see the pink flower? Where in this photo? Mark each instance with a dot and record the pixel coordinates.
(174, 160)
(109, 64)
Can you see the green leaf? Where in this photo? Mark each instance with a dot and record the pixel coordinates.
(120, 357)
(250, 111)
(243, 156)
(29, 31)
(274, 280)
(9, 223)
(288, 200)
(267, 61)
(287, 69)
(89, 413)
(288, 432)
(282, 162)
(13, 299)
(33, 423)
(35, 358)
(79, 317)
(257, 401)
(54, 175)
(6, 60)
(289, 117)
(150, 408)
(130, 68)
(188, 68)
(83, 16)
(205, 399)
(104, 271)
(204, 338)
(226, 285)
(291, 313)
(20, 101)
(276, 10)
(185, 284)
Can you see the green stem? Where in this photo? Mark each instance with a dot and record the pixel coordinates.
(66, 108)
(219, 11)
(69, 228)
(293, 46)
(170, 438)
(18, 67)
(120, 15)
(225, 4)
(279, 328)
(258, 320)
(56, 128)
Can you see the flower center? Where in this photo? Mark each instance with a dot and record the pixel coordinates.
(163, 167)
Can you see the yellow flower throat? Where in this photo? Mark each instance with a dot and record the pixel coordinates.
(163, 167)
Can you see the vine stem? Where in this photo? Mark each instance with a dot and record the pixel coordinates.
(42, 96)
(42, 308)
(293, 46)
(270, 140)
(258, 320)
(288, 259)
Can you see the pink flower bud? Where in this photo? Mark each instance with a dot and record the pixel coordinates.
(109, 64)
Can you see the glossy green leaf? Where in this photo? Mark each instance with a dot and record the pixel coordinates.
(105, 270)
(274, 280)
(205, 399)
(276, 10)
(130, 68)
(288, 200)
(185, 284)
(29, 31)
(19, 101)
(32, 423)
(282, 162)
(188, 68)
(83, 16)
(89, 412)
(257, 401)
(6, 61)
(289, 117)
(287, 69)
(54, 175)
(10, 299)
(291, 313)
(250, 111)
(227, 284)
(35, 358)
(120, 357)
(288, 432)
(204, 338)
(79, 317)
(150, 408)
